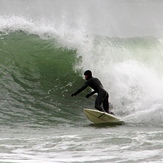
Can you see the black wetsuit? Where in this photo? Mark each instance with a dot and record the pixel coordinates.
(102, 97)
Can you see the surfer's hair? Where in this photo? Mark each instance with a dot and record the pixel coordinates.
(88, 73)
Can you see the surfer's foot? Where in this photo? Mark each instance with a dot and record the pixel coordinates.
(111, 113)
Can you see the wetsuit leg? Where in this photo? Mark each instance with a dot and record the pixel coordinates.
(98, 102)
(106, 103)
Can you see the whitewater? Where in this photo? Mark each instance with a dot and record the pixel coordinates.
(45, 46)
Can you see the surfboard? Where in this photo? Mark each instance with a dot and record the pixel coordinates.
(98, 117)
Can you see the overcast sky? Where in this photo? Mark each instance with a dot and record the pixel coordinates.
(109, 17)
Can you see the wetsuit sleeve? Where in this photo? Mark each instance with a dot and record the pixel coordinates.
(81, 89)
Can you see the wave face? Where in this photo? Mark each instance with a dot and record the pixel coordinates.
(43, 53)
(36, 76)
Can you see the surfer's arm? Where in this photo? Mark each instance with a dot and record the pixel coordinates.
(90, 94)
(80, 90)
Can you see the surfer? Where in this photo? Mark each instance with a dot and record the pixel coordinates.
(95, 84)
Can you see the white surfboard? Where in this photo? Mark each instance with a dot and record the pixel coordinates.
(98, 117)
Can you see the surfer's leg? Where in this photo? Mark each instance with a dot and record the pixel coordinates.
(106, 103)
(98, 103)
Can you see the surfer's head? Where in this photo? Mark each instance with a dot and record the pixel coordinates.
(88, 74)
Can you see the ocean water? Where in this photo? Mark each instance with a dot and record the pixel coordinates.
(45, 46)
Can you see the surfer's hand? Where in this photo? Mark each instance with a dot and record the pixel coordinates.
(87, 96)
(73, 94)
